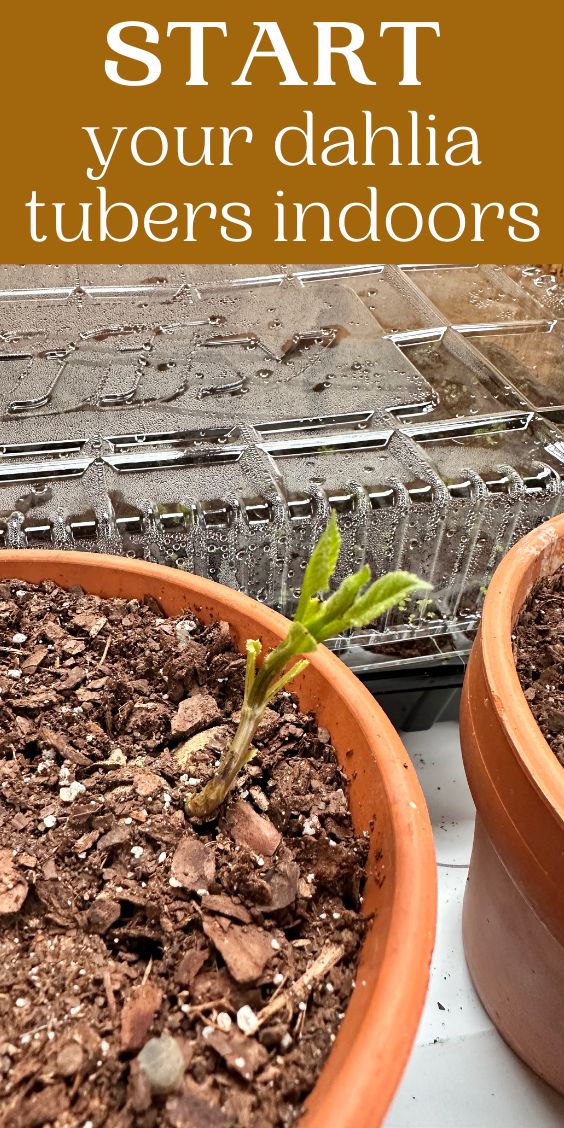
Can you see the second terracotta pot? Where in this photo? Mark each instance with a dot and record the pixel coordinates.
(514, 905)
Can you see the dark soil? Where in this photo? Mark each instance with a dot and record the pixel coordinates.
(408, 648)
(538, 648)
(119, 921)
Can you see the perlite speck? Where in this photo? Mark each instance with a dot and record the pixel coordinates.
(70, 793)
(247, 1020)
(162, 1062)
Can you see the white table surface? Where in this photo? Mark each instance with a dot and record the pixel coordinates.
(461, 1074)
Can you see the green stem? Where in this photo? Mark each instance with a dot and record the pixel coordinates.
(205, 803)
(258, 692)
(289, 676)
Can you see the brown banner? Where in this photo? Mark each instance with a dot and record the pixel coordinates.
(336, 132)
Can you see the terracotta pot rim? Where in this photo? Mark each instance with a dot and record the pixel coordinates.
(384, 1039)
(503, 601)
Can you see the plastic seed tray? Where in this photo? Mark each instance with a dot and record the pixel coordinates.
(211, 417)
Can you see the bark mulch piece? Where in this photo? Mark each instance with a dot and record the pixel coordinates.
(122, 925)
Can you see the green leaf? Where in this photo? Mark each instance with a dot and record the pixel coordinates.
(311, 610)
(382, 595)
(299, 640)
(338, 603)
(321, 566)
(289, 676)
(253, 647)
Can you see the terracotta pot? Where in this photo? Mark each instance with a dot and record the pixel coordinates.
(513, 919)
(376, 1036)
